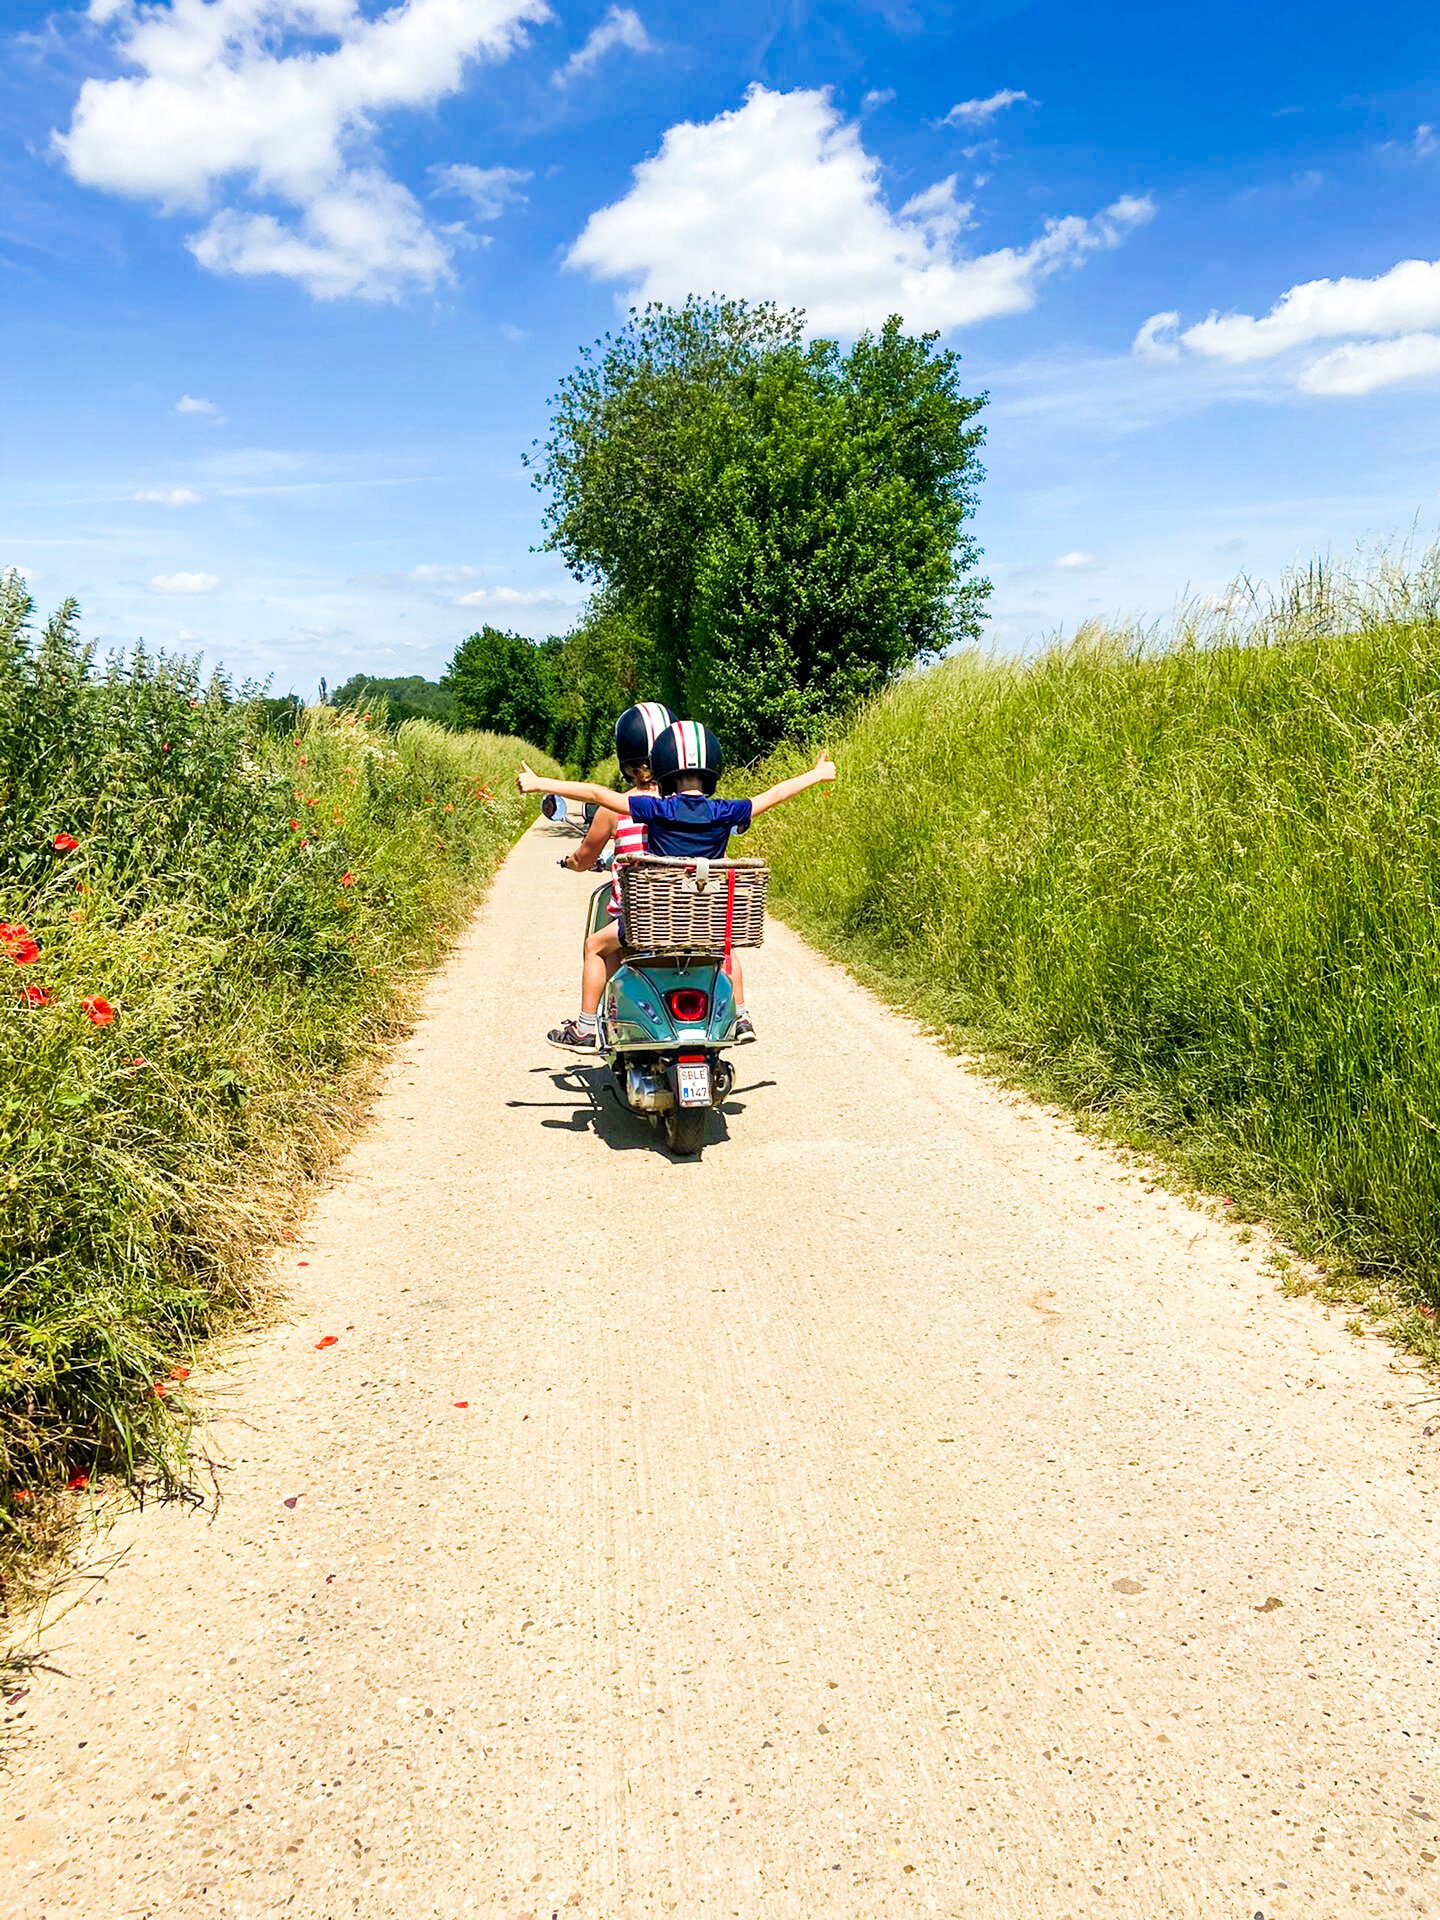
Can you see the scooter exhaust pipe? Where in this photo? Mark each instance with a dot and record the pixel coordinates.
(648, 1092)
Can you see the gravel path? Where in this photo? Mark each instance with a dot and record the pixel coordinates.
(900, 1512)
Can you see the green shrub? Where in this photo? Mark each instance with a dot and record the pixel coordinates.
(1195, 886)
(243, 911)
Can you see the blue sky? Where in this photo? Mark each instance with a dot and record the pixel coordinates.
(287, 283)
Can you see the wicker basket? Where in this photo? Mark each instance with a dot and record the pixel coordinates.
(681, 906)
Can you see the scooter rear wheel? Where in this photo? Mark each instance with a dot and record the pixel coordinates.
(685, 1130)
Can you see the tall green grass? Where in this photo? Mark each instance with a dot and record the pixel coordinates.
(251, 908)
(1190, 881)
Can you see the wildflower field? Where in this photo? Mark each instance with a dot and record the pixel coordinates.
(206, 929)
(1189, 883)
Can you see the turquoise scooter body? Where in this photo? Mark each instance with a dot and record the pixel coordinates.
(664, 1019)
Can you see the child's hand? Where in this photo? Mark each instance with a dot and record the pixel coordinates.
(825, 767)
(526, 781)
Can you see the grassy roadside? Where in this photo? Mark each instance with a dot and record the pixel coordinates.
(208, 931)
(1191, 889)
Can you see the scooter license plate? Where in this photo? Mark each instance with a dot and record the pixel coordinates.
(692, 1082)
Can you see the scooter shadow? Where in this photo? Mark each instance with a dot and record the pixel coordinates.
(601, 1113)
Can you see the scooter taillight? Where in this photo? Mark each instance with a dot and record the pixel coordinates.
(688, 1004)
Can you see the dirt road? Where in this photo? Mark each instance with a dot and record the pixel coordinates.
(900, 1512)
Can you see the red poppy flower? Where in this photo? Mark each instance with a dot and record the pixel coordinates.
(294, 826)
(65, 843)
(36, 997)
(78, 1482)
(161, 1389)
(24, 952)
(21, 1493)
(462, 1403)
(312, 803)
(1427, 1313)
(179, 1373)
(330, 1340)
(304, 760)
(97, 1009)
(347, 879)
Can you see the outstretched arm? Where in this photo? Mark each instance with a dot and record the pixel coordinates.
(597, 838)
(528, 781)
(823, 769)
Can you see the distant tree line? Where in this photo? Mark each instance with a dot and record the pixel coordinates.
(561, 693)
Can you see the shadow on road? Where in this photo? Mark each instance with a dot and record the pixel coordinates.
(601, 1113)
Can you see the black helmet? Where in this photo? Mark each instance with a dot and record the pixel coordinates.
(686, 747)
(637, 730)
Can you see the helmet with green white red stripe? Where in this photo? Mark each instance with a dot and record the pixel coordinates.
(637, 730)
(686, 747)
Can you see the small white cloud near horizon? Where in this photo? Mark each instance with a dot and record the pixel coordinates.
(621, 27)
(1392, 318)
(431, 575)
(202, 409)
(704, 212)
(221, 110)
(168, 496)
(1425, 142)
(490, 190)
(185, 583)
(1077, 561)
(974, 113)
(513, 597)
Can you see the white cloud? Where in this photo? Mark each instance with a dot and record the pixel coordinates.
(184, 583)
(429, 575)
(1363, 365)
(490, 190)
(621, 27)
(233, 97)
(169, 496)
(1156, 339)
(877, 97)
(364, 236)
(1078, 561)
(512, 597)
(1392, 318)
(974, 113)
(779, 200)
(1403, 300)
(1426, 142)
(187, 403)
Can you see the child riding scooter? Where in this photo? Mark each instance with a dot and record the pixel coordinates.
(684, 820)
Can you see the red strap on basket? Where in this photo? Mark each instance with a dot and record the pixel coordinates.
(729, 923)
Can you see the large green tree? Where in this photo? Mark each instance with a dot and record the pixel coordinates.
(788, 521)
(500, 683)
